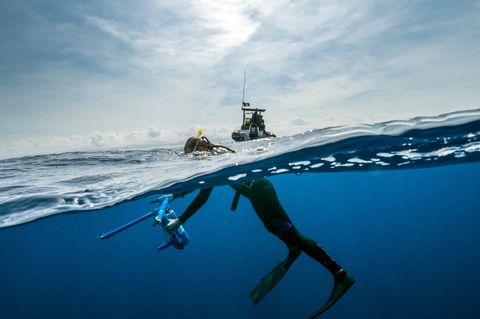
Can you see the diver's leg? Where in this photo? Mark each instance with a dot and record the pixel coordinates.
(342, 280)
(278, 227)
(311, 248)
(273, 277)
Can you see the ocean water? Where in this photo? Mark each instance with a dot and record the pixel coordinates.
(396, 204)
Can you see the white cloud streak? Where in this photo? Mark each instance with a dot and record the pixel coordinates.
(153, 137)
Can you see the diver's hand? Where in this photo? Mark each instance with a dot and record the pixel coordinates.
(172, 225)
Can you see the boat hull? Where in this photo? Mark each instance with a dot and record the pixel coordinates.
(244, 135)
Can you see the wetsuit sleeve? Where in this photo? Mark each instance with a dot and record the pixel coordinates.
(242, 188)
(198, 202)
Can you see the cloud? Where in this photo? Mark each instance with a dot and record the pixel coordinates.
(153, 137)
(298, 121)
(99, 66)
(110, 28)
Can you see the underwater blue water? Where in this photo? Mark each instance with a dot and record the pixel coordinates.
(409, 235)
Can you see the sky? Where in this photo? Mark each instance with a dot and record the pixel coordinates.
(81, 75)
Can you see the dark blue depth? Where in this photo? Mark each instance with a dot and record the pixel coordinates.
(410, 238)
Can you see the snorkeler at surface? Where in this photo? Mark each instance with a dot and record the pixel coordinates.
(200, 143)
(264, 200)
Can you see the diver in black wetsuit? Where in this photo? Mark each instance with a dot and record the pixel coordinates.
(264, 200)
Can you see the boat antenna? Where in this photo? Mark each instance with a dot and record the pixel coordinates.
(244, 80)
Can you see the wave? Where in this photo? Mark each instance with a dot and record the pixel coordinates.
(34, 187)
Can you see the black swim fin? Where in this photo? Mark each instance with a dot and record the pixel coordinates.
(343, 282)
(273, 277)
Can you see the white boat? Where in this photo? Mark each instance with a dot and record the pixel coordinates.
(253, 125)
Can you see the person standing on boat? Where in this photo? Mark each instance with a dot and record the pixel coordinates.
(266, 205)
(258, 122)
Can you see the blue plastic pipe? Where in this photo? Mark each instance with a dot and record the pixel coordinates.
(162, 208)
